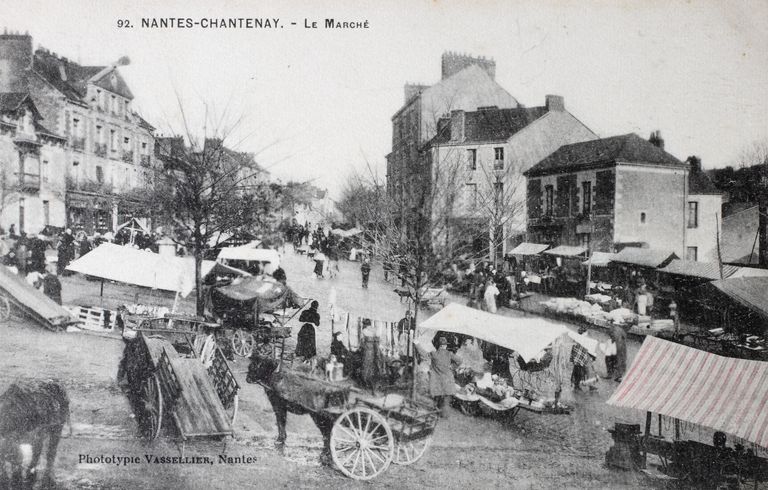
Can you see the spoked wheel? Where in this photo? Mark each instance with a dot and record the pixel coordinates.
(232, 410)
(5, 308)
(151, 418)
(242, 343)
(409, 452)
(362, 445)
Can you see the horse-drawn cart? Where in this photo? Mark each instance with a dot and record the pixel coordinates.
(363, 434)
(174, 378)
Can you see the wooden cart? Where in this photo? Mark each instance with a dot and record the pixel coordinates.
(168, 383)
(368, 433)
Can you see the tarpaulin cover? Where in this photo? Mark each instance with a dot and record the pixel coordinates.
(646, 257)
(726, 394)
(600, 259)
(44, 310)
(527, 248)
(526, 335)
(143, 268)
(704, 270)
(270, 294)
(567, 251)
(751, 292)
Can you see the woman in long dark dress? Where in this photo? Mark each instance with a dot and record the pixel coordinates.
(306, 345)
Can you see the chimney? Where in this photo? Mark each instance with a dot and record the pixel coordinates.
(694, 162)
(555, 103)
(16, 55)
(656, 139)
(457, 125)
(453, 63)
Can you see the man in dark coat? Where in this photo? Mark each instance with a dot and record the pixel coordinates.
(279, 275)
(619, 336)
(365, 269)
(306, 345)
(66, 251)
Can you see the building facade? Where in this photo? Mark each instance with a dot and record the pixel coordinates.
(110, 148)
(467, 83)
(485, 153)
(703, 216)
(32, 164)
(614, 192)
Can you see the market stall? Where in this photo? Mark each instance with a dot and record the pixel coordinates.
(249, 258)
(529, 357)
(531, 267)
(568, 278)
(690, 386)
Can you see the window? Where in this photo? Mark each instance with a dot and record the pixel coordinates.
(586, 201)
(21, 215)
(549, 198)
(693, 214)
(472, 158)
(144, 147)
(113, 140)
(44, 171)
(691, 253)
(99, 174)
(99, 134)
(498, 158)
(471, 196)
(114, 104)
(46, 213)
(642, 218)
(127, 143)
(76, 128)
(100, 99)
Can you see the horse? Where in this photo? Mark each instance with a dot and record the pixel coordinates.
(264, 371)
(30, 412)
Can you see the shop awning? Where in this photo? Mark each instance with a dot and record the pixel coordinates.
(704, 270)
(751, 292)
(526, 335)
(726, 394)
(600, 259)
(142, 268)
(646, 257)
(527, 248)
(567, 251)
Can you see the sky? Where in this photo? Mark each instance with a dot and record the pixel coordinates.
(316, 104)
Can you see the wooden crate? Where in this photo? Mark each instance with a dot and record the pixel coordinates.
(93, 317)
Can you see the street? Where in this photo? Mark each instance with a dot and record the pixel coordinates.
(533, 451)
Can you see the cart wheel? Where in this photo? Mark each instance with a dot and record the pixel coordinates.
(5, 308)
(151, 419)
(469, 408)
(242, 343)
(362, 445)
(409, 452)
(232, 410)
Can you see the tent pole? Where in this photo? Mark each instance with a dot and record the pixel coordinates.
(677, 429)
(660, 425)
(101, 293)
(648, 416)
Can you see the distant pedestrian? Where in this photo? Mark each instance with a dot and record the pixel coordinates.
(319, 259)
(365, 269)
(619, 337)
(491, 292)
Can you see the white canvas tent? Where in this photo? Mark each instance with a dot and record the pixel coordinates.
(269, 258)
(526, 335)
(143, 268)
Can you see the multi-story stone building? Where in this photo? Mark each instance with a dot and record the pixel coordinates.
(467, 83)
(486, 152)
(109, 148)
(607, 193)
(32, 163)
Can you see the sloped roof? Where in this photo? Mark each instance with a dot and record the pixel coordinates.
(492, 124)
(599, 259)
(567, 251)
(527, 248)
(71, 79)
(10, 101)
(646, 257)
(749, 291)
(700, 183)
(698, 387)
(605, 151)
(704, 270)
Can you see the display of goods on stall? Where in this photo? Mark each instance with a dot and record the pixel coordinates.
(590, 312)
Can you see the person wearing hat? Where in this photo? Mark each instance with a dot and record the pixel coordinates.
(306, 345)
(442, 385)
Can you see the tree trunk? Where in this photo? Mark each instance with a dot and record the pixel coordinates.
(199, 300)
(416, 300)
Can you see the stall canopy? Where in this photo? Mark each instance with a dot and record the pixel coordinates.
(726, 394)
(527, 248)
(750, 272)
(526, 335)
(704, 270)
(143, 268)
(248, 253)
(567, 251)
(646, 257)
(751, 292)
(600, 259)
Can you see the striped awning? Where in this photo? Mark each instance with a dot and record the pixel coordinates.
(726, 394)
(527, 248)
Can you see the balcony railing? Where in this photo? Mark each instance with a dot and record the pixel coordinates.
(128, 156)
(145, 160)
(78, 143)
(28, 182)
(100, 149)
(87, 185)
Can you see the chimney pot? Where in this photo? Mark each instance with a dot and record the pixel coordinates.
(656, 139)
(555, 103)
